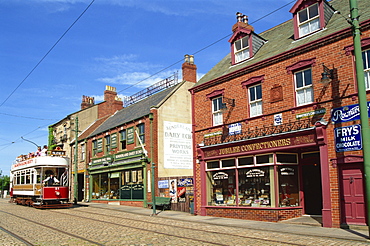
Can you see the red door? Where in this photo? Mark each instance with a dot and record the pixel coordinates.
(353, 201)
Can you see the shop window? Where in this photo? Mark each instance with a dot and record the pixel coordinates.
(213, 164)
(286, 158)
(246, 161)
(366, 61)
(217, 107)
(288, 186)
(114, 185)
(123, 139)
(255, 100)
(303, 86)
(132, 184)
(228, 163)
(222, 188)
(265, 159)
(255, 187)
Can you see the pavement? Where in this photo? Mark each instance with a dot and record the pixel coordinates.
(305, 225)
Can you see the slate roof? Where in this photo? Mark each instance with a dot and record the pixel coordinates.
(280, 39)
(135, 111)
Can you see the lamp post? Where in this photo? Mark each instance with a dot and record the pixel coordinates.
(75, 177)
(364, 119)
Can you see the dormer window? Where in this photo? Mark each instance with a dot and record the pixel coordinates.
(241, 49)
(310, 16)
(309, 20)
(244, 42)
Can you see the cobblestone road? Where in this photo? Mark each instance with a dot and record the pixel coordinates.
(95, 226)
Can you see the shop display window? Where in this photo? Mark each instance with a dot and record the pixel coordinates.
(288, 186)
(223, 188)
(255, 187)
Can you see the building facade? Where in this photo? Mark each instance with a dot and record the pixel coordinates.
(275, 124)
(150, 138)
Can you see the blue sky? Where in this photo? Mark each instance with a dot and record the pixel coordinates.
(116, 42)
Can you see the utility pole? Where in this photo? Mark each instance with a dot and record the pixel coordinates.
(152, 163)
(75, 177)
(364, 119)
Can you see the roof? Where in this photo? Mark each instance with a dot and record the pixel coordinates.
(280, 39)
(136, 111)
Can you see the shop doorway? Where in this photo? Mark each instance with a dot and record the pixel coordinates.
(352, 194)
(80, 190)
(311, 179)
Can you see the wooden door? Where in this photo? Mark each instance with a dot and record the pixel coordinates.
(352, 192)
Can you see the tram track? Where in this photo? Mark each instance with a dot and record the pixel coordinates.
(45, 226)
(229, 232)
(183, 228)
(15, 236)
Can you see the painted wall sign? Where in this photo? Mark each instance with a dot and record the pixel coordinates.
(293, 141)
(348, 138)
(212, 134)
(177, 145)
(347, 113)
(235, 129)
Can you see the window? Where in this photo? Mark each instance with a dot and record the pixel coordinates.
(123, 139)
(255, 100)
(95, 147)
(83, 154)
(107, 144)
(366, 60)
(141, 132)
(308, 20)
(303, 85)
(241, 49)
(217, 106)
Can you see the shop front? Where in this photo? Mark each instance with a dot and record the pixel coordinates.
(266, 179)
(118, 178)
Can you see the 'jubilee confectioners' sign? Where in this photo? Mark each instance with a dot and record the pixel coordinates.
(262, 145)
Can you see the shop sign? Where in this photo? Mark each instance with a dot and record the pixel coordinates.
(235, 129)
(163, 184)
(287, 171)
(347, 113)
(255, 173)
(319, 112)
(220, 175)
(128, 154)
(102, 160)
(212, 134)
(293, 141)
(185, 182)
(348, 138)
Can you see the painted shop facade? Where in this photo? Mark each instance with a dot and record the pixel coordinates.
(276, 126)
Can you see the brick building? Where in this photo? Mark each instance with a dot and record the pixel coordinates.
(62, 133)
(154, 128)
(269, 143)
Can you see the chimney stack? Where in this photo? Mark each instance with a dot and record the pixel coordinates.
(87, 102)
(189, 69)
(111, 103)
(242, 23)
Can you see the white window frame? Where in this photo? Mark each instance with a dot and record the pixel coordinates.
(217, 111)
(255, 104)
(83, 153)
(366, 60)
(242, 53)
(305, 91)
(311, 24)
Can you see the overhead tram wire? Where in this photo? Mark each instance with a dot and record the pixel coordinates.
(206, 47)
(47, 53)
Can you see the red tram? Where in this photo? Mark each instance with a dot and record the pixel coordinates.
(28, 187)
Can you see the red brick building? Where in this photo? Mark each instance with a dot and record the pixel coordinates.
(270, 142)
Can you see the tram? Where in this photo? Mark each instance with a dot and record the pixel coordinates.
(28, 186)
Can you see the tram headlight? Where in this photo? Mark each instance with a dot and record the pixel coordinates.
(57, 193)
